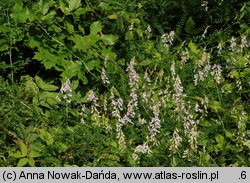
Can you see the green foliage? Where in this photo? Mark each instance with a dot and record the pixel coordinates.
(107, 83)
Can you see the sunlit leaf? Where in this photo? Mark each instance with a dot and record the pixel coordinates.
(109, 39)
(95, 27)
(74, 4)
(22, 162)
(44, 86)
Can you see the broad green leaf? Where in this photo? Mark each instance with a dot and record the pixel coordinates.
(113, 144)
(75, 84)
(48, 99)
(95, 27)
(31, 162)
(48, 59)
(70, 27)
(92, 64)
(193, 47)
(113, 16)
(82, 11)
(190, 26)
(46, 137)
(109, 39)
(22, 162)
(34, 154)
(23, 148)
(64, 8)
(74, 4)
(234, 74)
(44, 6)
(44, 86)
(16, 154)
(104, 6)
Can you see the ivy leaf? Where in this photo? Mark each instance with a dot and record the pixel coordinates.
(109, 39)
(74, 4)
(22, 162)
(95, 27)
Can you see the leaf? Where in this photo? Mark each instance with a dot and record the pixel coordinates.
(109, 39)
(23, 148)
(22, 162)
(70, 27)
(47, 99)
(104, 6)
(31, 162)
(193, 47)
(74, 4)
(190, 26)
(34, 154)
(95, 27)
(32, 137)
(16, 154)
(84, 43)
(44, 86)
(113, 16)
(48, 59)
(46, 137)
(113, 144)
(92, 64)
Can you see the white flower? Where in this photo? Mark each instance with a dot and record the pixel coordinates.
(105, 79)
(217, 73)
(133, 76)
(244, 42)
(167, 39)
(232, 43)
(172, 69)
(175, 141)
(91, 96)
(149, 29)
(204, 4)
(66, 89)
(154, 125)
